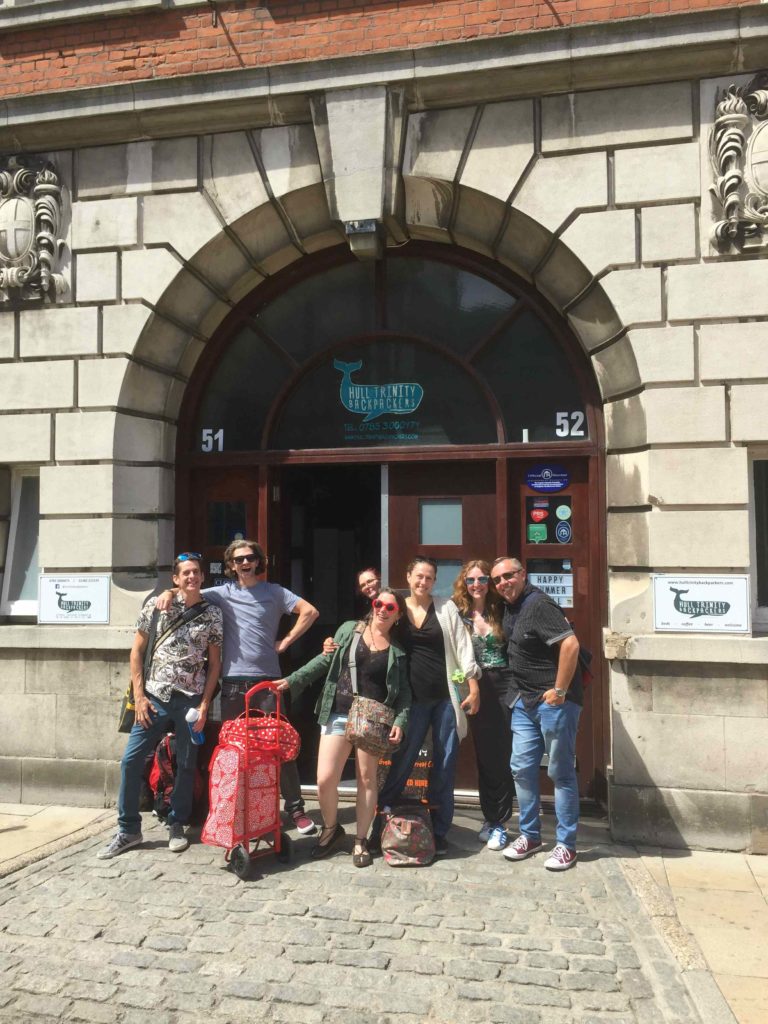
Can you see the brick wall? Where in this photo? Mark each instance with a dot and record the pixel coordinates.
(115, 50)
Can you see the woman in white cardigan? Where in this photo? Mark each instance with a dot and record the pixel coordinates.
(439, 648)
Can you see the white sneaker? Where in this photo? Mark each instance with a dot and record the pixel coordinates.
(177, 841)
(560, 859)
(119, 844)
(485, 832)
(521, 848)
(498, 838)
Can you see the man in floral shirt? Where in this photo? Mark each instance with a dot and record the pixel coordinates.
(183, 674)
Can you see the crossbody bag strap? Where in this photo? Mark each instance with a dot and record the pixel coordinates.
(353, 662)
(149, 650)
(191, 613)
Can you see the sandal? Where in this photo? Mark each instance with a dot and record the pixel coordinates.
(364, 858)
(329, 836)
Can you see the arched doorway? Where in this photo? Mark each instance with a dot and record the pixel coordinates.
(350, 414)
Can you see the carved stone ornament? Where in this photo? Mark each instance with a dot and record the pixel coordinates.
(738, 148)
(30, 221)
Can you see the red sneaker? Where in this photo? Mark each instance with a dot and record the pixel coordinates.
(304, 823)
(560, 859)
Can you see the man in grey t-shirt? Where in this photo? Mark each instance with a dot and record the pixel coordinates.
(252, 610)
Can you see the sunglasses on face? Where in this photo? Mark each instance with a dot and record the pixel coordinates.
(239, 559)
(471, 580)
(387, 606)
(185, 556)
(505, 576)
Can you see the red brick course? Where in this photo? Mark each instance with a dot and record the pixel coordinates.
(109, 51)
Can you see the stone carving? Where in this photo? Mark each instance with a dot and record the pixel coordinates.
(738, 148)
(30, 221)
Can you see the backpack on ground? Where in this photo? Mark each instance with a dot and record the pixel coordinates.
(162, 777)
(407, 838)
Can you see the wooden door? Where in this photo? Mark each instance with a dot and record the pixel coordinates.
(225, 507)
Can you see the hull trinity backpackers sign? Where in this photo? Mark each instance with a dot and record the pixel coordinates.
(701, 604)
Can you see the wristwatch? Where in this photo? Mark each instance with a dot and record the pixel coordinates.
(559, 692)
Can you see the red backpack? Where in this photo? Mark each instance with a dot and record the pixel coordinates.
(162, 777)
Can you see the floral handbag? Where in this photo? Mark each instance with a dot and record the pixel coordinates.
(369, 722)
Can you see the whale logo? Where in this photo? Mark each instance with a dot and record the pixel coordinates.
(698, 608)
(376, 399)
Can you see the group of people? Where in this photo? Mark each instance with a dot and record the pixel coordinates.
(497, 657)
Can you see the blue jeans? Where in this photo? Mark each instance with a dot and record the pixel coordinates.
(140, 742)
(445, 751)
(552, 729)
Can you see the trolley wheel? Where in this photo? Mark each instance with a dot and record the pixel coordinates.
(286, 849)
(240, 862)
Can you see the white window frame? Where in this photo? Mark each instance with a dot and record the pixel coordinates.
(25, 606)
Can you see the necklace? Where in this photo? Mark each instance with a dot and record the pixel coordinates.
(378, 650)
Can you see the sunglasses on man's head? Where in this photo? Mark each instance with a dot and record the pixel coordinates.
(388, 606)
(185, 556)
(505, 576)
(471, 580)
(239, 559)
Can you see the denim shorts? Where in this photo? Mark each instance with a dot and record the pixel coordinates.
(335, 726)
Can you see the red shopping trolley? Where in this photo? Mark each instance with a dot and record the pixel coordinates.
(245, 785)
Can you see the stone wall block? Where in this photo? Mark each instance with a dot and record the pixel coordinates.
(7, 335)
(634, 294)
(523, 244)
(75, 543)
(188, 301)
(128, 592)
(679, 818)
(10, 780)
(668, 233)
(435, 141)
(501, 148)
(428, 207)
(59, 781)
(97, 277)
(110, 435)
(122, 327)
(477, 221)
(685, 414)
(625, 425)
(714, 291)
(616, 368)
(143, 489)
(53, 331)
(594, 319)
(758, 813)
(223, 263)
(602, 239)
(91, 736)
(75, 490)
(685, 751)
(27, 724)
(118, 381)
(105, 224)
(558, 185)
(627, 479)
(147, 273)
(657, 173)
(68, 673)
(628, 542)
(663, 354)
(746, 754)
(735, 692)
(628, 691)
(733, 351)
(630, 602)
(43, 385)
(698, 476)
(562, 277)
(138, 542)
(12, 671)
(749, 412)
(690, 540)
(162, 343)
(159, 165)
(25, 438)
(231, 176)
(307, 210)
(185, 221)
(289, 153)
(616, 117)
(263, 234)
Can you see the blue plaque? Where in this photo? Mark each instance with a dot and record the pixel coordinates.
(543, 477)
(563, 533)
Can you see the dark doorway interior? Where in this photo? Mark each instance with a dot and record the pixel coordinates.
(331, 528)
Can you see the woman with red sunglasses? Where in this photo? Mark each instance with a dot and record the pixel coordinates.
(381, 675)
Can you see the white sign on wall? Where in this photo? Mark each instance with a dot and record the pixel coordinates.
(67, 600)
(559, 586)
(701, 604)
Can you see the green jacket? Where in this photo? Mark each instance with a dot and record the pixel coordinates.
(398, 688)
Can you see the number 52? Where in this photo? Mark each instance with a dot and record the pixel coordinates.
(569, 424)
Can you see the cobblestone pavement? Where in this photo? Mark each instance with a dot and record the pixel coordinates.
(178, 939)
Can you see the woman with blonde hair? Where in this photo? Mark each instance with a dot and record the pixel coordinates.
(481, 609)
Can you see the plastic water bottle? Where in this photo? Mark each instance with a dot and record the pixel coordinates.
(192, 716)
